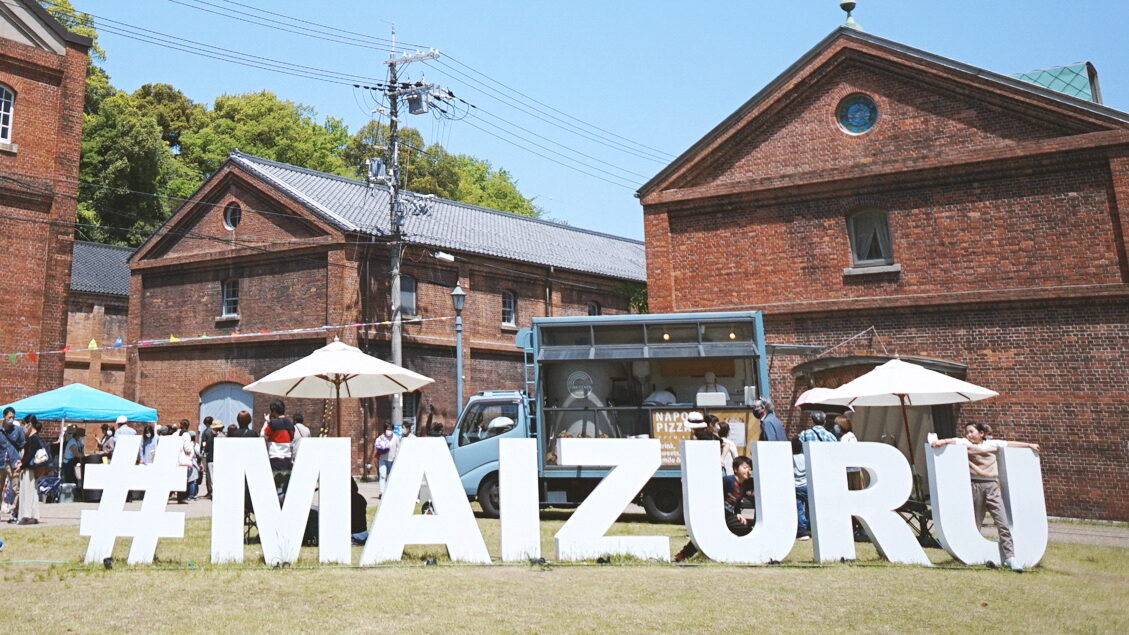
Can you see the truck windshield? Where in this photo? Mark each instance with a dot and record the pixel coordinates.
(487, 419)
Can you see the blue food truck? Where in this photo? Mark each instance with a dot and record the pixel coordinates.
(622, 376)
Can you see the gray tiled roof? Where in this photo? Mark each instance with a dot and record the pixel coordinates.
(98, 268)
(353, 206)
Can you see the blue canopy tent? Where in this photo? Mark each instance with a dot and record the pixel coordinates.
(79, 402)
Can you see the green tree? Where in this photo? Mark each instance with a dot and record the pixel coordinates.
(433, 170)
(266, 126)
(175, 113)
(127, 170)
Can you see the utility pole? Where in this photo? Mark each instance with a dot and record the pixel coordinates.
(395, 91)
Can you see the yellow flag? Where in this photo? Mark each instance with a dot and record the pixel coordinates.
(173, 338)
(93, 345)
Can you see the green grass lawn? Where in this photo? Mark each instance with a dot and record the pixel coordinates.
(1077, 588)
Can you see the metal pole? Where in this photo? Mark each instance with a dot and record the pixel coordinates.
(396, 226)
(458, 364)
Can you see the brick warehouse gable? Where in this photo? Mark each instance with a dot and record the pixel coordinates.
(1006, 205)
(311, 250)
(44, 65)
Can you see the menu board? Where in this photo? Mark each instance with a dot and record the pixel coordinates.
(670, 427)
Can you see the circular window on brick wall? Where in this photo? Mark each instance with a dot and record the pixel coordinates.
(232, 214)
(856, 113)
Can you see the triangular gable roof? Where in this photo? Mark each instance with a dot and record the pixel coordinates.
(353, 205)
(26, 15)
(845, 38)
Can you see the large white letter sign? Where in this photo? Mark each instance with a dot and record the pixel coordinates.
(635, 461)
(323, 461)
(832, 504)
(950, 490)
(1021, 478)
(519, 498)
(775, 531)
(396, 524)
(123, 474)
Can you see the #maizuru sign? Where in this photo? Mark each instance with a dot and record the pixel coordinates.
(241, 465)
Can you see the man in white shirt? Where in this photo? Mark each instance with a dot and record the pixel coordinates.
(124, 429)
(711, 385)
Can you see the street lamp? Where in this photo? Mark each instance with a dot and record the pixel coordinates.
(458, 301)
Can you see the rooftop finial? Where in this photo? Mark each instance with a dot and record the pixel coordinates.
(848, 6)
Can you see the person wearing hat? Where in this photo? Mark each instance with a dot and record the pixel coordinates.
(124, 429)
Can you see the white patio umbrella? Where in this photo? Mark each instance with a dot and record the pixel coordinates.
(813, 396)
(339, 370)
(898, 383)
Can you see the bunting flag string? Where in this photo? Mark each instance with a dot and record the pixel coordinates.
(33, 356)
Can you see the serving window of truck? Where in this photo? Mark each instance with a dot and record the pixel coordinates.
(633, 377)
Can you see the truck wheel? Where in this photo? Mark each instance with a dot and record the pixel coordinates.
(663, 503)
(488, 496)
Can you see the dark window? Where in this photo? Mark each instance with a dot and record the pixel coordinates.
(407, 295)
(7, 104)
(594, 308)
(870, 239)
(230, 298)
(509, 307)
(232, 214)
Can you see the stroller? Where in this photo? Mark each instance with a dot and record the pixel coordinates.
(48, 488)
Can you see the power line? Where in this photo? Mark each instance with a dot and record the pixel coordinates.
(367, 41)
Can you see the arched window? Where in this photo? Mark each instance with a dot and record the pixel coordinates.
(509, 308)
(407, 295)
(594, 308)
(870, 239)
(232, 214)
(7, 105)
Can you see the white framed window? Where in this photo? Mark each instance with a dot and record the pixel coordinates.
(509, 308)
(594, 308)
(232, 214)
(407, 295)
(230, 307)
(869, 232)
(7, 106)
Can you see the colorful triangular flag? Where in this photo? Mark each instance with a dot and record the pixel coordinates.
(31, 357)
(12, 357)
(93, 344)
(173, 338)
(118, 343)
(66, 349)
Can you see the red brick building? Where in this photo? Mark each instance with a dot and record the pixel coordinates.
(42, 80)
(268, 253)
(96, 312)
(972, 219)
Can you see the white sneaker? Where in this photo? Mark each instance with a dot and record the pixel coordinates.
(1013, 564)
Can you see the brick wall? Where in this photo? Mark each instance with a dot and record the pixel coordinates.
(37, 209)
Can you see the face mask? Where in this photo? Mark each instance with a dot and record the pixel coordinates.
(388, 433)
(148, 436)
(109, 433)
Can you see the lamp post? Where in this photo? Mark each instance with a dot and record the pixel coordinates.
(458, 301)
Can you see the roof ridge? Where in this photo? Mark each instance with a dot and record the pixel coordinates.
(287, 166)
(107, 245)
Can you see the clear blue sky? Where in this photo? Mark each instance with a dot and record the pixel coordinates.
(657, 73)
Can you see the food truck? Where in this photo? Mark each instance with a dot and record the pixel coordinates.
(616, 377)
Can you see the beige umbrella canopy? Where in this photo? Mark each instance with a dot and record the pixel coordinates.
(898, 383)
(339, 370)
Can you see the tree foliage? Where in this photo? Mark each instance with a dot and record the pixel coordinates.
(175, 113)
(265, 126)
(433, 170)
(127, 170)
(98, 86)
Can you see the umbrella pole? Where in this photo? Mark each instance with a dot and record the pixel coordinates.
(337, 408)
(905, 427)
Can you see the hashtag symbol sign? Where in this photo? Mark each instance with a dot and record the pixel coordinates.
(146, 525)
